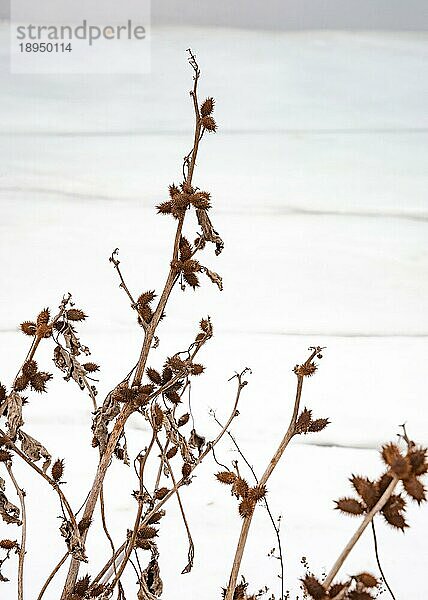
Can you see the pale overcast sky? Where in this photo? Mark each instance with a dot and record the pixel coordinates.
(289, 14)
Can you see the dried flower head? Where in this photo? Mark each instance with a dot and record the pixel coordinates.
(82, 586)
(75, 314)
(207, 107)
(336, 589)
(246, 507)
(43, 317)
(29, 328)
(183, 420)
(366, 489)
(154, 376)
(29, 368)
(186, 469)
(158, 416)
(58, 470)
(147, 532)
(415, 489)
(367, 580)
(172, 452)
(418, 460)
(314, 588)
(240, 487)
(390, 454)
(226, 477)
(196, 369)
(91, 367)
(209, 124)
(305, 370)
(350, 506)
(5, 456)
(161, 493)
(21, 383)
(257, 493)
(8, 544)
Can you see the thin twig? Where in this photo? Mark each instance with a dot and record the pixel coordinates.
(52, 575)
(378, 560)
(52, 482)
(104, 521)
(263, 480)
(241, 384)
(21, 495)
(132, 538)
(275, 526)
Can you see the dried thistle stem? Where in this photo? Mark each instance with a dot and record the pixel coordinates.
(131, 541)
(263, 480)
(354, 539)
(21, 495)
(63, 500)
(241, 384)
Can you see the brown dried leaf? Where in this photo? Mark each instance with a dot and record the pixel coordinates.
(34, 449)
(215, 278)
(209, 234)
(14, 414)
(8, 511)
(151, 585)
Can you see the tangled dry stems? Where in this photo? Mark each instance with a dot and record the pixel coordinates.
(160, 401)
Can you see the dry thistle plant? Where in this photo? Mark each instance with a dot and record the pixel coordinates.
(174, 446)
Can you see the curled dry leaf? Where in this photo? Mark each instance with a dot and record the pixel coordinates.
(196, 441)
(73, 540)
(8, 511)
(151, 585)
(102, 417)
(209, 234)
(34, 450)
(14, 414)
(215, 278)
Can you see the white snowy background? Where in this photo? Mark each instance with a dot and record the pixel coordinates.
(319, 181)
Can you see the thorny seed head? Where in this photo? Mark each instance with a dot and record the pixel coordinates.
(367, 580)
(91, 367)
(246, 507)
(226, 477)
(58, 470)
(209, 124)
(5, 456)
(75, 314)
(183, 420)
(305, 370)
(21, 383)
(314, 588)
(43, 317)
(29, 368)
(350, 506)
(161, 493)
(29, 328)
(8, 544)
(207, 107)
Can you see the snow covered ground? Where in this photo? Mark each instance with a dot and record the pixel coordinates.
(319, 181)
